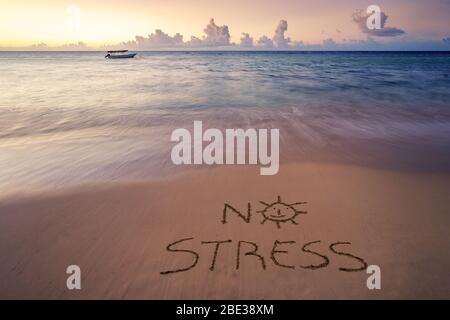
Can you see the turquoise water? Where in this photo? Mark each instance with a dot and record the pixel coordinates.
(70, 117)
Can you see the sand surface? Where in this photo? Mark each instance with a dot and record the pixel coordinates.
(118, 235)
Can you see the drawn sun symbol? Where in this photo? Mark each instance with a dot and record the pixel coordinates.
(280, 212)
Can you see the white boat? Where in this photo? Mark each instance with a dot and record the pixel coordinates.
(119, 54)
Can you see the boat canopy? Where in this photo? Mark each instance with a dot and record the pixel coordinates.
(117, 51)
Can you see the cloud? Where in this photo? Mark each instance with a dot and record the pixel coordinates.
(195, 42)
(279, 39)
(265, 42)
(360, 18)
(42, 46)
(216, 36)
(39, 46)
(246, 41)
(329, 44)
(73, 46)
(158, 39)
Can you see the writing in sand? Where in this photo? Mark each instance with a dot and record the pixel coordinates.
(315, 254)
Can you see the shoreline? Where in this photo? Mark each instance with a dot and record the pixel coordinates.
(75, 152)
(118, 233)
(185, 171)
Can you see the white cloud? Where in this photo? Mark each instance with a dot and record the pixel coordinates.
(216, 35)
(360, 18)
(279, 38)
(265, 43)
(73, 46)
(246, 41)
(159, 39)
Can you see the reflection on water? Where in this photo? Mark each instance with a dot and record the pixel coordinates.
(67, 118)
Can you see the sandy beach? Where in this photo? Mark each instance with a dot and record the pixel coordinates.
(118, 235)
(225, 150)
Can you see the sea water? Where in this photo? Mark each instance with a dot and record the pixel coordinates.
(74, 117)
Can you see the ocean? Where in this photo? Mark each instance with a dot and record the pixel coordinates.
(68, 118)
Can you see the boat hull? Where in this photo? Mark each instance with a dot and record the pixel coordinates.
(121, 56)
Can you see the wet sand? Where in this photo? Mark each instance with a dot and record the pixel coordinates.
(118, 234)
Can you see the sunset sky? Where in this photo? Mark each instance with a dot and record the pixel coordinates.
(107, 22)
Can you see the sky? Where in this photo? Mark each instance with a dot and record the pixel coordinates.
(277, 24)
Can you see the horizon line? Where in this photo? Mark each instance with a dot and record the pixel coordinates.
(229, 50)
